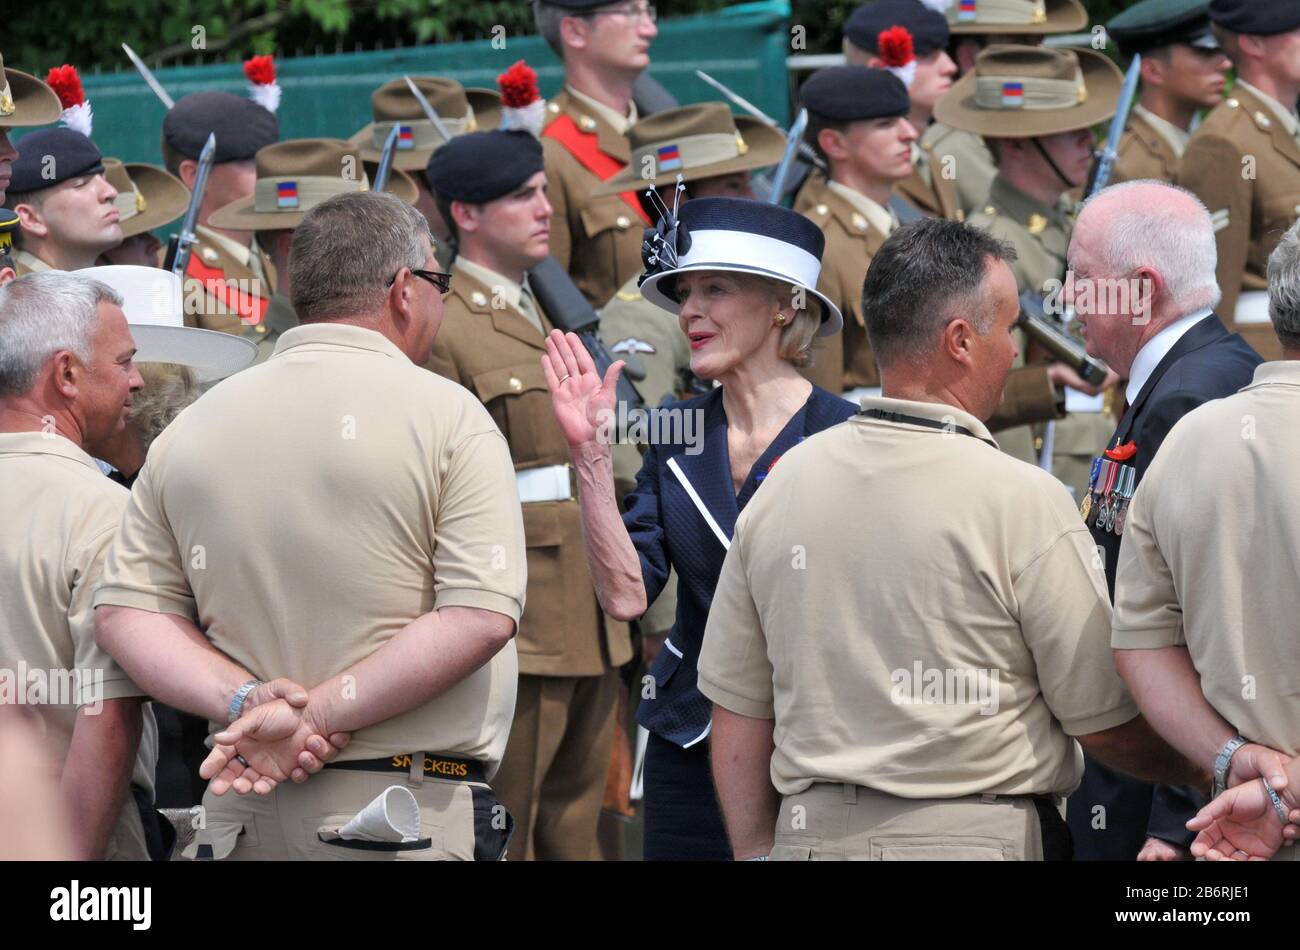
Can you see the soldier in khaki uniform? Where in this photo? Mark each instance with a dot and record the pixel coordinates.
(857, 122)
(975, 25)
(229, 280)
(1043, 152)
(634, 328)
(69, 217)
(386, 586)
(927, 77)
(60, 513)
(24, 101)
(491, 189)
(1244, 160)
(292, 178)
(147, 198)
(461, 110)
(604, 47)
(1188, 640)
(1183, 71)
(954, 735)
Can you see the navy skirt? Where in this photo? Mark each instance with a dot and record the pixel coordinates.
(682, 819)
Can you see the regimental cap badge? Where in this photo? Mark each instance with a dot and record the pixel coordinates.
(6, 98)
(1037, 224)
(140, 203)
(741, 145)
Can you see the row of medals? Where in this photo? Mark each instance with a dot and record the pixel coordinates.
(1110, 489)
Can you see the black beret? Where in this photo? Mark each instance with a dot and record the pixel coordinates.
(929, 28)
(49, 156)
(483, 166)
(241, 125)
(1152, 24)
(1256, 17)
(849, 93)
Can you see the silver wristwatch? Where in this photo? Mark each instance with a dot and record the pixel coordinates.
(237, 701)
(1223, 761)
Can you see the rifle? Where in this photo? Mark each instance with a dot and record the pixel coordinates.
(793, 138)
(183, 241)
(386, 159)
(570, 312)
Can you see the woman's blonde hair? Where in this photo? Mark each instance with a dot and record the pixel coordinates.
(168, 388)
(798, 335)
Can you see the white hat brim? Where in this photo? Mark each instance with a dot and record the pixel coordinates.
(210, 354)
(833, 323)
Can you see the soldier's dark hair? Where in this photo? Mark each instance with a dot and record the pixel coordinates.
(547, 17)
(814, 129)
(171, 158)
(1284, 288)
(347, 250)
(925, 275)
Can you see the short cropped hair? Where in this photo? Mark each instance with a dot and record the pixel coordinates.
(924, 276)
(43, 314)
(347, 250)
(1284, 288)
(547, 17)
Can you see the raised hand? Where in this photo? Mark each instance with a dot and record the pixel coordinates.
(1239, 825)
(582, 401)
(276, 742)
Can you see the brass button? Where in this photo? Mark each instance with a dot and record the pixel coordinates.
(515, 384)
(990, 210)
(1262, 119)
(1037, 224)
(623, 221)
(1233, 103)
(260, 328)
(552, 107)
(587, 123)
(478, 299)
(210, 255)
(859, 222)
(821, 209)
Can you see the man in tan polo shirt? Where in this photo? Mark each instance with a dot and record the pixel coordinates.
(1205, 593)
(386, 574)
(66, 381)
(905, 673)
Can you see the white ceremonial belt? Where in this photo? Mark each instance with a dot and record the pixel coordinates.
(549, 483)
(1252, 307)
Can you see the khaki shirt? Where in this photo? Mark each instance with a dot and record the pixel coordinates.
(597, 240)
(59, 514)
(25, 262)
(387, 493)
(240, 274)
(1150, 148)
(280, 317)
(1207, 559)
(940, 557)
(928, 189)
(843, 361)
(489, 347)
(631, 326)
(1244, 163)
(967, 157)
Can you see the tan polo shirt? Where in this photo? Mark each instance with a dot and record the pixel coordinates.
(940, 630)
(1209, 554)
(384, 492)
(59, 513)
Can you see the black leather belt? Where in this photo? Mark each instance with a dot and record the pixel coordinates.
(447, 767)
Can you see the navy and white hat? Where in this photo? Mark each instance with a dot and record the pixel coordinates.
(741, 236)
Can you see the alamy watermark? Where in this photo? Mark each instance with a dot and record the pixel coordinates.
(29, 686)
(945, 686)
(670, 425)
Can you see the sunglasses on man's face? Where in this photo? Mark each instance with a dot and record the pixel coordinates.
(439, 279)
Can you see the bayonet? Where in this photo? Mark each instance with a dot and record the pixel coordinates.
(150, 79)
(182, 243)
(428, 109)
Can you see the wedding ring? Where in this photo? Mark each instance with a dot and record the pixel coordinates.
(241, 760)
(564, 377)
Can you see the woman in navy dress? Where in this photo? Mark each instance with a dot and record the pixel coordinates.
(741, 276)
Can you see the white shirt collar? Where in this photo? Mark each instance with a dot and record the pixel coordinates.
(1156, 349)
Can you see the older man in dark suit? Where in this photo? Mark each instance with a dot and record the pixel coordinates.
(1143, 264)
